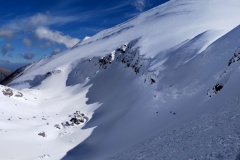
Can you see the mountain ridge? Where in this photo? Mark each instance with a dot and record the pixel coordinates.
(4, 73)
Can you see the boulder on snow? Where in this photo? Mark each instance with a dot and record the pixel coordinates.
(43, 134)
(8, 92)
(57, 126)
(218, 87)
(19, 94)
(152, 80)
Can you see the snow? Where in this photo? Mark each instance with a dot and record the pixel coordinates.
(27, 119)
(145, 87)
(214, 135)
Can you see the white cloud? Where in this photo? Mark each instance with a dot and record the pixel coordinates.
(3, 61)
(28, 56)
(47, 19)
(56, 51)
(40, 19)
(56, 36)
(6, 33)
(6, 48)
(140, 4)
(27, 42)
(46, 45)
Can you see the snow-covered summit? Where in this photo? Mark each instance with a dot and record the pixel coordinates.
(173, 23)
(159, 72)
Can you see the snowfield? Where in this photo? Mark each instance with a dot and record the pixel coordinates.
(163, 85)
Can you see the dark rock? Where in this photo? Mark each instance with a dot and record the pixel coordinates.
(75, 121)
(8, 92)
(152, 80)
(48, 74)
(236, 57)
(43, 134)
(57, 126)
(218, 87)
(19, 94)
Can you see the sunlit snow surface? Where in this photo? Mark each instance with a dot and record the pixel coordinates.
(148, 89)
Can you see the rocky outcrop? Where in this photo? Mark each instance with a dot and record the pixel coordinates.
(217, 88)
(75, 119)
(126, 55)
(235, 58)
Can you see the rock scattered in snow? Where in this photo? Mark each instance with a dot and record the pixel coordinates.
(235, 58)
(43, 134)
(218, 87)
(76, 119)
(18, 94)
(52, 72)
(57, 126)
(44, 156)
(8, 92)
(152, 80)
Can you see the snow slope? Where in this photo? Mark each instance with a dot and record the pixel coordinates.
(150, 88)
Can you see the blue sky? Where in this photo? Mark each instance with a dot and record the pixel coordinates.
(31, 29)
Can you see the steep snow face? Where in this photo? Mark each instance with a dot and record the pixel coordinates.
(173, 23)
(155, 100)
(132, 82)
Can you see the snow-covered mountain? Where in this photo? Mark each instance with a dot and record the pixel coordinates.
(163, 85)
(4, 73)
(13, 75)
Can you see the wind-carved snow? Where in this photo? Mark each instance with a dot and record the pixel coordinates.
(214, 135)
(133, 85)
